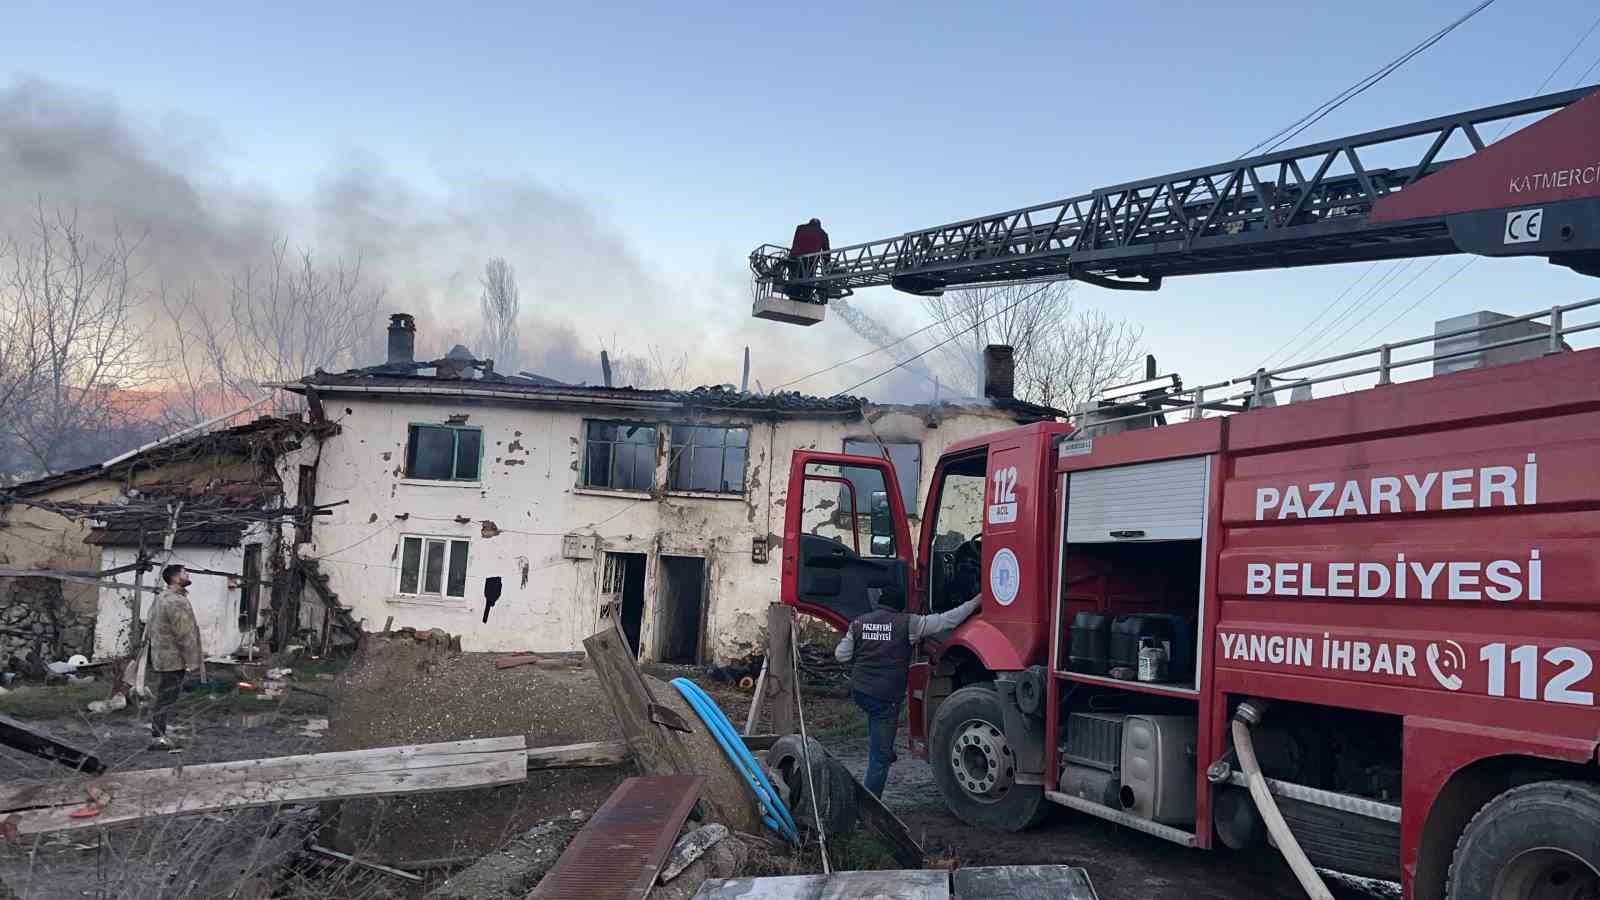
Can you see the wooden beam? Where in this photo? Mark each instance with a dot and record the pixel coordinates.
(781, 684)
(658, 751)
(542, 660)
(156, 793)
(578, 756)
(887, 826)
(12, 571)
(754, 715)
(20, 736)
(758, 742)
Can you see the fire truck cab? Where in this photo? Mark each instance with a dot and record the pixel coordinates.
(1390, 597)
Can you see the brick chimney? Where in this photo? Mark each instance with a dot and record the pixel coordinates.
(999, 372)
(402, 339)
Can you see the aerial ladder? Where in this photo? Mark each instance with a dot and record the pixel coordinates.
(1443, 188)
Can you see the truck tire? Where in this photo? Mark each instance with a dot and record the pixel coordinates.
(975, 768)
(1539, 841)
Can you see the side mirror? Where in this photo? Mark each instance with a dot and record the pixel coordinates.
(882, 525)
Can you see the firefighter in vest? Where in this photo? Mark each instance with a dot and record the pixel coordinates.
(878, 644)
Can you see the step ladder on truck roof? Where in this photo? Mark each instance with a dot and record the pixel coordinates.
(1360, 628)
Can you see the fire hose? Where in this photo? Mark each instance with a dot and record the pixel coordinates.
(1248, 715)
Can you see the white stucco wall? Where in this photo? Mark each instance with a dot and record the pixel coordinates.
(529, 493)
(215, 599)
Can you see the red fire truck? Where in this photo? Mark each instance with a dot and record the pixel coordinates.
(1361, 628)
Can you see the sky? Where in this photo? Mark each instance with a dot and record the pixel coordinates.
(665, 141)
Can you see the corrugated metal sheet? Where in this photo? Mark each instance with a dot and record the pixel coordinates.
(1157, 501)
(617, 855)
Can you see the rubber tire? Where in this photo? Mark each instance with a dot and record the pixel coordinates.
(1023, 806)
(1559, 814)
(835, 785)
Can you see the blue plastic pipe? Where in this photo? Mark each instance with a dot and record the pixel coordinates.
(774, 813)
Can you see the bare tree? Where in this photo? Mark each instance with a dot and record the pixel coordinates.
(500, 304)
(283, 320)
(1086, 354)
(1063, 356)
(76, 342)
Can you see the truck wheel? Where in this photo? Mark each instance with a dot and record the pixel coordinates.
(974, 767)
(1536, 842)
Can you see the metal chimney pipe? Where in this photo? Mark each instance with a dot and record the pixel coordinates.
(402, 338)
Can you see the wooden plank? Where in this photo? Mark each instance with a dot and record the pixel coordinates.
(577, 756)
(9, 571)
(21, 736)
(754, 715)
(309, 765)
(268, 782)
(758, 742)
(887, 826)
(543, 661)
(658, 751)
(334, 854)
(780, 668)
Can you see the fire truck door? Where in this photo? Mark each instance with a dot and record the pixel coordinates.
(845, 535)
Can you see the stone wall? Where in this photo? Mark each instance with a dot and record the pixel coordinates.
(33, 614)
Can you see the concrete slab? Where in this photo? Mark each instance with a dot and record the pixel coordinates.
(1022, 883)
(907, 884)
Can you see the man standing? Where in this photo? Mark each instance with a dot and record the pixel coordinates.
(879, 644)
(174, 650)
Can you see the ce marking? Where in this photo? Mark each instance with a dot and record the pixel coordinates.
(1523, 225)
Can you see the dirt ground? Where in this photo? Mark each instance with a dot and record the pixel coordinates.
(416, 694)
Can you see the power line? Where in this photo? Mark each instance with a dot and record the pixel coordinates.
(1371, 291)
(1360, 87)
(1317, 114)
(1555, 70)
(973, 327)
(861, 356)
(1318, 317)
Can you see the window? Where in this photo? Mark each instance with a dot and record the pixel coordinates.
(443, 452)
(907, 459)
(709, 459)
(308, 498)
(957, 527)
(250, 588)
(433, 567)
(619, 455)
(838, 507)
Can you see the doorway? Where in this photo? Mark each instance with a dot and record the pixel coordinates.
(680, 605)
(622, 594)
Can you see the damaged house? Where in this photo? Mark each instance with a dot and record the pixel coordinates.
(514, 510)
(218, 502)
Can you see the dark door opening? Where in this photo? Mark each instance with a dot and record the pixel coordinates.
(683, 582)
(622, 594)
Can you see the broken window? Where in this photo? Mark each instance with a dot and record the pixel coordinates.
(619, 456)
(443, 452)
(905, 456)
(709, 459)
(433, 567)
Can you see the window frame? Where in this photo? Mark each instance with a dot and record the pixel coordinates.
(250, 587)
(681, 458)
(420, 594)
(455, 453)
(655, 456)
